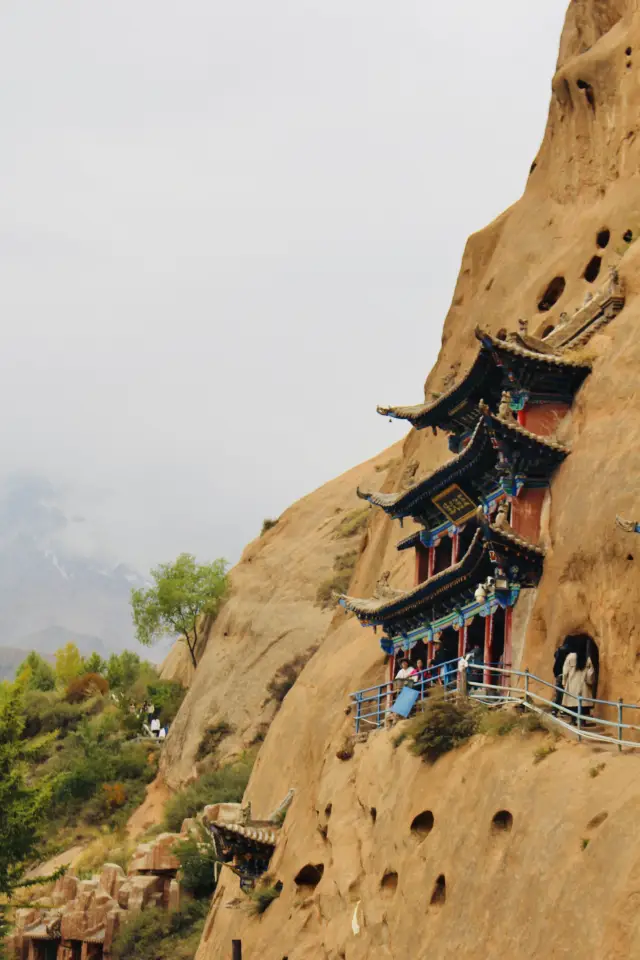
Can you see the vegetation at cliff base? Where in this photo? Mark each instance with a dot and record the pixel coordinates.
(88, 717)
(224, 785)
(157, 934)
(182, 593)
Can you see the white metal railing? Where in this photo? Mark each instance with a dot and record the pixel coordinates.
(506, 685)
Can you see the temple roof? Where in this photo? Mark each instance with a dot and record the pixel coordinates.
(495, 441)
(499, 365)
(491, 547)
(260, 835)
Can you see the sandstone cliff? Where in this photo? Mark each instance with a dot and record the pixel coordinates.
(536, 888)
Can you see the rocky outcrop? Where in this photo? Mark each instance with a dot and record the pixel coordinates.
(473, 886)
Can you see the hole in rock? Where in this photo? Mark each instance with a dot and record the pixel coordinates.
(327, 810)
(423, 823)
(629, 556)
(374, 814)
(490, 284)
(588, 92)
(552, 294)
(548, 330)
(628, 64)
(310, 875)
(597, 821)
(439, 894)
(502, 822)
(592, 269)
(501, 334)
(585, 649)
(628, 51)
(627, 236)
(389, 882)
(602, 237)
(532, 167)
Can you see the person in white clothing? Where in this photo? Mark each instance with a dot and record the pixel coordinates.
(406, 671)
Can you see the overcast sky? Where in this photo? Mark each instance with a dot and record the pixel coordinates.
(229, 229)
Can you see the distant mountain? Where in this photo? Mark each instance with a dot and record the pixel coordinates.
(10, 660)
(50, 592)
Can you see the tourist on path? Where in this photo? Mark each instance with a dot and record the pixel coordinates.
(578, 676)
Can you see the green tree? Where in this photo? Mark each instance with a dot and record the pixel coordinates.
(95, 664)
(69, 663)
(24, 804)
(182, 592)
(39, 675)
(123, 670)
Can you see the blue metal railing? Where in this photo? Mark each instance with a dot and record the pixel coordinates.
(492, 684)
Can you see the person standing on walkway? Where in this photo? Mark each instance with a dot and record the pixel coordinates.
(578, 676)
(559, 658)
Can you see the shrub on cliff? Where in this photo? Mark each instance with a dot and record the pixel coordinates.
(441, 726)
(352, 524)
(197, 856)
(343, 567)
(85, 686)
(225, 785)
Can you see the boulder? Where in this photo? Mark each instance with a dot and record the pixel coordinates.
(112, 877)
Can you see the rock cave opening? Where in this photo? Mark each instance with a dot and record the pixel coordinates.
(374, 814)
(586, 647)
(548, 331)
(629, 51)
(588, 92)
(629, 556)
(439, 895)
(310, 875)
(327, 810)
(592, 269)
(552, 294)
(627, 236)
(389, 882)
(602, 237)
(597, 821)
(423, 823)
(502, 822)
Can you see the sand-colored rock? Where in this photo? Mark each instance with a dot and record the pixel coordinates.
(270, 619)
(538, 889)
(155, 856)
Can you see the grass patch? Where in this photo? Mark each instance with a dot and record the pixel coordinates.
(108, 848)
(156, 934)
(500, 723)
(212, 738)
(343, 567)
(441, 726)
(584, 843)
(225, 785)
(543, 751)
(577, 568)
(268, 524)
(597, 770)
(353, 523)
(264, 894)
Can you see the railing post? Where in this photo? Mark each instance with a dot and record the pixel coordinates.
(380, 695)
(526, 685)
(620, 725)
(579, 716)
(358, 711)
(236, 948)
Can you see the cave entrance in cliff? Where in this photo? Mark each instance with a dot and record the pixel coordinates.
(44, 949)
(584, 643)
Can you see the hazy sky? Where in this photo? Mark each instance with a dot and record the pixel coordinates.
(229, 229)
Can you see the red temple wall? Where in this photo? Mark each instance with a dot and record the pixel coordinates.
(526, 511)
(543, 418)
(422, 564)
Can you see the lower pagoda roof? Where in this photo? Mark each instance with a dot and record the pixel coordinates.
(498, 450)
(509, 364)
(494, 552)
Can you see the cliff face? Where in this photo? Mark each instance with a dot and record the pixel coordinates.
(530, 890)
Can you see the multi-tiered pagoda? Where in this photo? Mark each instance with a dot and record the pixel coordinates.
(479, 515)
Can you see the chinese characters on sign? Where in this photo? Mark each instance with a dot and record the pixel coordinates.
(455, 504)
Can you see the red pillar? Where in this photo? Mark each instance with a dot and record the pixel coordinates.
(506, 656)
(462, 640)
(488, 638)
(432, 560)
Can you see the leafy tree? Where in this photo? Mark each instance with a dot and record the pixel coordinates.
(40, 675)
(123, 670)
(24, 804)
(183, 592)
(198, 858)
(69, 663)
(95, 664)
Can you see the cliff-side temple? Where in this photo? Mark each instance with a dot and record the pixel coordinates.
(482, 514)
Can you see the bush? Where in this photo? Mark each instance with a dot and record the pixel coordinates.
(226, 785)
(343, 567)
(212, 738)
(41, 674)
(353, 523)
(264, 895)
(156, 934)
(86, 686)
(197, 856)
(110, 848)
(442, 725)
(268, 525)
(286, 675)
